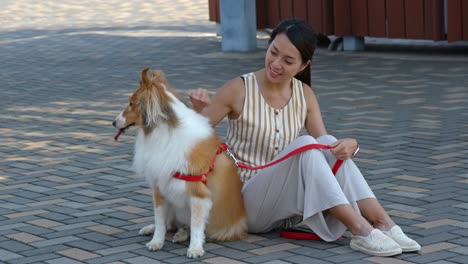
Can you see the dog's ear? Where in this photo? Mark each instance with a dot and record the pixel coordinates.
(158, 76)
(144, 80)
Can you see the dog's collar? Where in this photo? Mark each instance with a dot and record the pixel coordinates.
(202, 178)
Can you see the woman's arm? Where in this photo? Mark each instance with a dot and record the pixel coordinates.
(343, 148)
(228, 101)
(314, 122)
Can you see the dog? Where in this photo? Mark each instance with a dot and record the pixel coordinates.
(173, 140)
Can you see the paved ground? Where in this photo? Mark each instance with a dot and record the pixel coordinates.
(67, 194)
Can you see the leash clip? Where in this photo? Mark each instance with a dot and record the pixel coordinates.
(231, 155)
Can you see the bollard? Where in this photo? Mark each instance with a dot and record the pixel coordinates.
(238, 25)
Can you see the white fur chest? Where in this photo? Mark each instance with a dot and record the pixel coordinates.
(164, 151)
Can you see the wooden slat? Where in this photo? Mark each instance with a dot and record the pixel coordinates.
(328, 23)
(300, 9)
(454, 20)
(314, 14)
(377, 19)
(262, 16)
(395, 18)
(428, 19)
(342, 17)
(286, 9)
(213, 10)
(359, 26)
(273, 12)
(434, 24)
(465, 20)
(414, 19)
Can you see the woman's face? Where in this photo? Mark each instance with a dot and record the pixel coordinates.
(282, 61)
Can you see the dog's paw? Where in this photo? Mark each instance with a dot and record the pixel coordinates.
(154, 245)
(147, 230)
(180, 236)
(193, 252)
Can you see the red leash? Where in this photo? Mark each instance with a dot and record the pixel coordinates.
(290, 154)
(224, 147)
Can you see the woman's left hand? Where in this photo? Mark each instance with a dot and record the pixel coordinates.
(343, 149)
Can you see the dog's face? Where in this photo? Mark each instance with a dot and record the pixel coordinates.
(149, 105)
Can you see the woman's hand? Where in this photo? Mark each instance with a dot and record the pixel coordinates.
(200, 99)
(343, 149)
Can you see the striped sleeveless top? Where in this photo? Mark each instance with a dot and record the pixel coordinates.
(261, 131)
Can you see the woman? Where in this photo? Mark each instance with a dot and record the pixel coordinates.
(266, 110)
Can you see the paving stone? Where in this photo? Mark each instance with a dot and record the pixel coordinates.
(432, 257)
(184, 259)
(77, 254)
(142, 260)
(112, 258)
(63, 261)
(232, 253)
(35, 259)
(222, 260)
(463, 250)
(69, 69)
(282, 255)
(387, 260)
(114, 250)
(8, 255)
(303, 259)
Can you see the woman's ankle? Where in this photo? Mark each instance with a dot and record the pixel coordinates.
(384, 225)
(362, 228)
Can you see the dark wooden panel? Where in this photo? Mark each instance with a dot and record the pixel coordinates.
(395, 18)
(262, 16)
(434, 24)
(454, 20)
(376, 18)
(359, 26)
(286, 9)
(300, 9)
(342, 17)
(273, 12)
(213, 10)
(314, 14)
(414, 19)
(328, 23)
(464, 20)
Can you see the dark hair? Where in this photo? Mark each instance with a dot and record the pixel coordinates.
(302, 36)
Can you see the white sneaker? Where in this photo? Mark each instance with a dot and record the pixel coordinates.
(376, 244)
(407, 244)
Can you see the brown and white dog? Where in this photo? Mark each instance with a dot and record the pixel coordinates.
(171, 139)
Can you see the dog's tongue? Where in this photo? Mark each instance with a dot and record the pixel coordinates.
(118, 134)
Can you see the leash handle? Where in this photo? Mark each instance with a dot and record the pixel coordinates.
(290, 154)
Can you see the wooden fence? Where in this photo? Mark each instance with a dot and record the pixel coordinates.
(406, 19)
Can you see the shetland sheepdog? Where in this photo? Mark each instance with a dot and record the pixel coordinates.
(174, 139)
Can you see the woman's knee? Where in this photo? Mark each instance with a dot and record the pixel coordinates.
(306, 139)
(326, 139)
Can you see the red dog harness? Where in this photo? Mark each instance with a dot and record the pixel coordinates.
(202, 178)
(224, 147)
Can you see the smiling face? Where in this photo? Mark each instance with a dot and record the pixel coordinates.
(283, 60)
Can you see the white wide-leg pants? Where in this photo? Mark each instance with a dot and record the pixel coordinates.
(304, 185)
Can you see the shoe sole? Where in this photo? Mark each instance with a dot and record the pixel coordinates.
(376, 253)
(414, 249)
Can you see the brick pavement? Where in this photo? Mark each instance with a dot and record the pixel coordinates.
(67, 194)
